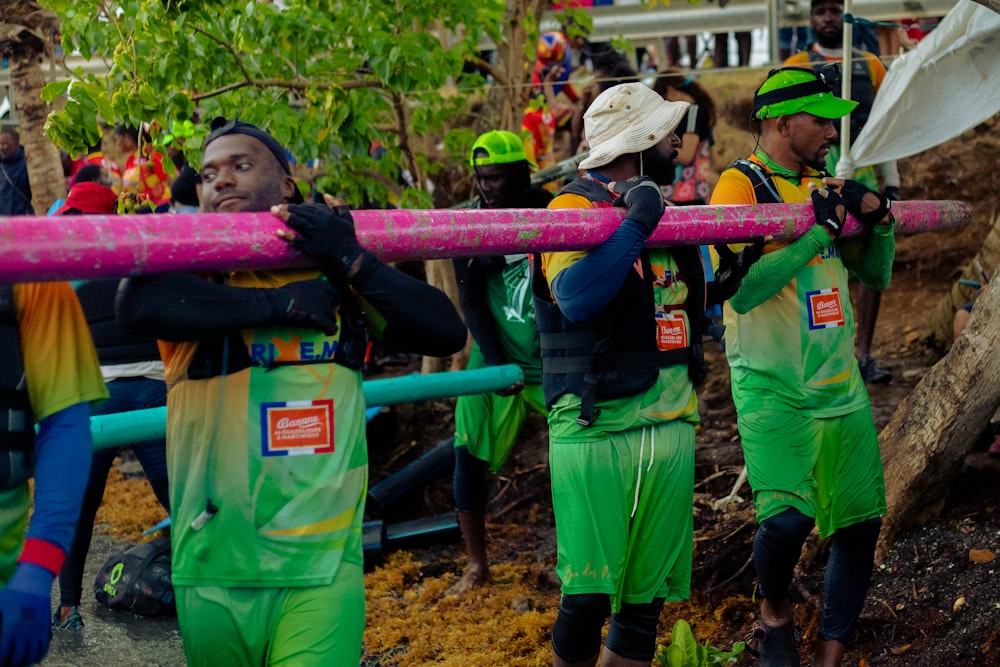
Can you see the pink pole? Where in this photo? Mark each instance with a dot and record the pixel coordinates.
(97, 246)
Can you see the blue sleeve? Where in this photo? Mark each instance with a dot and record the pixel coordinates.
(583, 290)
(63, 449)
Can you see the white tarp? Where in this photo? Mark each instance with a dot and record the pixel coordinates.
(949, 83)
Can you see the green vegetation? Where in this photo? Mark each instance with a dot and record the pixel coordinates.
(686, 651)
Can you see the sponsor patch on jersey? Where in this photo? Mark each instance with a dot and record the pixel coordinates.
(296, 427)
(671, 331)
(825, 309)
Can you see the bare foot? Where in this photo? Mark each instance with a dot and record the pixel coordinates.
(474, 577)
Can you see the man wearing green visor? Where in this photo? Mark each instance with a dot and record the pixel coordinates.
(496, 300)
(805, 421)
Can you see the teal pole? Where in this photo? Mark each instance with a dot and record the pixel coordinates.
(124, 428)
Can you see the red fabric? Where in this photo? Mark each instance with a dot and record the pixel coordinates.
(90, 197)
(43, 554)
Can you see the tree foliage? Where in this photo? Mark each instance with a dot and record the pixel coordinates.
(327, 78)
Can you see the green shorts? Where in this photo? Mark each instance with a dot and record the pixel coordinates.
(634, 545)
(488, 424)
(316, 625)
(829, 469)
(14, 504)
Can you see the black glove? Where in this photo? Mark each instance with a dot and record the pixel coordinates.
(831, 211)
(868, 206)
(733, 266)
(644, 200)
(326, 234)
(307, 303)
(891, 193)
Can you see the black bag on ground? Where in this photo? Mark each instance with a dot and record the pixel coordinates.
(138, 580)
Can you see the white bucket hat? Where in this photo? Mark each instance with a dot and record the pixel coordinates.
(628, 118)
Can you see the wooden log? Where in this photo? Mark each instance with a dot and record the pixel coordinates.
(934, 429)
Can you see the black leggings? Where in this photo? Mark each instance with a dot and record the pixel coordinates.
(125, 394)
(776, 550)
(469, 482)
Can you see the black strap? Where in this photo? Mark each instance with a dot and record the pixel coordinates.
(568, 339)
(763, 186)
(793, 92)
(617, 362)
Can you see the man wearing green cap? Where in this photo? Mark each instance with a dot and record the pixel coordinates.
(496, 300)
(826, 17)
(804, 417)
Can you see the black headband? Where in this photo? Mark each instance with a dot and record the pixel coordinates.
(819, 85)
(790, 93)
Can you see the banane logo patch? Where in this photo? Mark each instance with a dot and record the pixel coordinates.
(297, 427)
(825, 309)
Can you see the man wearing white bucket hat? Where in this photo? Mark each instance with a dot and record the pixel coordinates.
(620, 330)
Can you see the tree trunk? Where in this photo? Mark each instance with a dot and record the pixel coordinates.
(939, 324)
(933, 430)
(45, 171)
(26, 31)
(508, 96)
(441, 274)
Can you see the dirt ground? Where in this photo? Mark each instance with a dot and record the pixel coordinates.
(933, 601)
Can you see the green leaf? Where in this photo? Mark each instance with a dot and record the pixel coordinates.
(55, 89)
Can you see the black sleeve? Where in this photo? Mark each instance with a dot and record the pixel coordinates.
(179, 306)
(417, 317)
(472, 290)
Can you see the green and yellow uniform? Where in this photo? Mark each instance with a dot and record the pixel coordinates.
(622, 487)
(804, 415)
(289, 479)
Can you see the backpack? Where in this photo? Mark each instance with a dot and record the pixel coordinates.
(138, 580)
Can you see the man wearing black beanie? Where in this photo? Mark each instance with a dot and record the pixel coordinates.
(266, 432)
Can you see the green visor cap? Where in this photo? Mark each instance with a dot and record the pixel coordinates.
(792, 90)
(501, 147)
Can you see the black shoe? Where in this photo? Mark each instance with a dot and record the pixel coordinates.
(775, 646)
(873, 373)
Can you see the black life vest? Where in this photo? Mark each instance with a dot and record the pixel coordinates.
(862, 87)
(17, 422)
(615, 354)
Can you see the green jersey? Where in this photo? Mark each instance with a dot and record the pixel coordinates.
(508, 295)
(281, 454)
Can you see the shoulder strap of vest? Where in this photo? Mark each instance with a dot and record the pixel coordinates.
(585, 187)
(859, 65)
(8, 314)
(16, 420)
(763, 185)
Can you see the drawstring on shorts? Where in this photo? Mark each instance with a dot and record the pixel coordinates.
(652, 453)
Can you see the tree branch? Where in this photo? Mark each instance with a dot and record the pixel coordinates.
(288, 85)
(405, 145)
(228, 47)
(498, 78)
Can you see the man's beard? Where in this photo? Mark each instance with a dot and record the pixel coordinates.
(661, 168)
